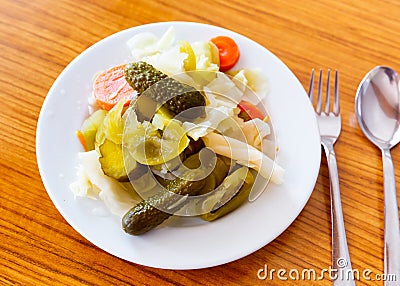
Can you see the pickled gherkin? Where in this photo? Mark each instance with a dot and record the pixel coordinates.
(172, 94)
(147, 214)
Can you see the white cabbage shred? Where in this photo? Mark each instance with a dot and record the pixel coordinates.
(245, 155)
(92, 183)
(253, 79)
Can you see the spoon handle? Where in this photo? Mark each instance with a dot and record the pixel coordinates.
(340, 253)
(392, 230)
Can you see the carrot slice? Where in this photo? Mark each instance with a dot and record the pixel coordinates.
(81, 139)
(110, 87)
(228, 52)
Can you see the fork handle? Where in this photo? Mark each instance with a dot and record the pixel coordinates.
(391, 215)
(340, 253)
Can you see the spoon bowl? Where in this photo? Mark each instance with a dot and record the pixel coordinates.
(377, 110)
(377, 107)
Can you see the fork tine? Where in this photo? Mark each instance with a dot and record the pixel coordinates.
(328, 92)
(336, 104)
(311, 87)
(318, 108)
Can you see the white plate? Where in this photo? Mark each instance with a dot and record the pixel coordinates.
(186, 247)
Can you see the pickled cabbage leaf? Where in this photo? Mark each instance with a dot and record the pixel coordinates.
(112, 126)
(255, 131)
(169, 57)
(169, 62)
(222, 96)
(207, 56)
(206, 124)
(93, 183)
(226, 88)
(253, 83)
(147, 44)
(246, 155)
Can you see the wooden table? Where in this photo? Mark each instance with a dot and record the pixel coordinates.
(39, 38)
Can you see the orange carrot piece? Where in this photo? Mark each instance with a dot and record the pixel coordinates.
(81, 139)
(228, 52)
(110, 87)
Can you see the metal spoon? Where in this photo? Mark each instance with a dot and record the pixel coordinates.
(378, 114)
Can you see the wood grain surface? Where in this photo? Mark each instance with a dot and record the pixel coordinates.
(39, 38)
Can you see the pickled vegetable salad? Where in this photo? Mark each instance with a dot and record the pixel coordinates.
(148, 165)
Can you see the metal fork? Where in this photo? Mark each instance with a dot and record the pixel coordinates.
(329, 124)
